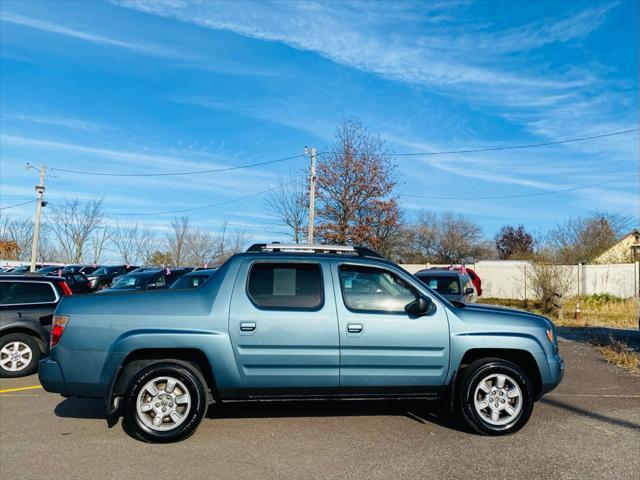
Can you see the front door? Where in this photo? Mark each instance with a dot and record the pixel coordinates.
(383, 349)
(283, 326)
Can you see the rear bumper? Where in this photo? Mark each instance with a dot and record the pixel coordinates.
(51, 377)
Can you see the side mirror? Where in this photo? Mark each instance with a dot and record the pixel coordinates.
(469, 291)
(420, 306)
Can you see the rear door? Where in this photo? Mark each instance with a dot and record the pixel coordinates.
(283, 326)
(384, 349)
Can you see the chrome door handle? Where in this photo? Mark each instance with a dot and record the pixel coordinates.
(247, 326)
(354, 328)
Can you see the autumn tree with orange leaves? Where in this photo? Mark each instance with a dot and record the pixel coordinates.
(356, 184)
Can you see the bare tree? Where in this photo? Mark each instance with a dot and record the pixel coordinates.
(147, 245)
(581, 239)
(201, 247)
(177, 239)
(126, 241)
(98, 241)
(73, 224)
(548, 282)
(289, 205)
(17, 231)
(229, 243)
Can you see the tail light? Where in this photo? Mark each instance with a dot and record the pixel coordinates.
(57, 329)
(66, 291)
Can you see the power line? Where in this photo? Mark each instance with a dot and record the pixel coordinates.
(212, 205)
(408, 154)
(18, 204)
(496, 149)
(536, 194)
(193, 172)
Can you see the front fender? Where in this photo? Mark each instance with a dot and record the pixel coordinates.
(461, 343)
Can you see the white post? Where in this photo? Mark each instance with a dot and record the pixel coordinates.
(312, 196)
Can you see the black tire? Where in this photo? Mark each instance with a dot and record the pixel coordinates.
(102, 286)
(133, 421)
(24, 368)
(469, 382)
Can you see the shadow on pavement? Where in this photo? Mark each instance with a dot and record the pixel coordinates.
(587, 413)
(74, 407)
(420, 411)
(601, 335)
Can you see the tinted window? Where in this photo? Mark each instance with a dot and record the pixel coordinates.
(374, 289)
(12, 293)
(286, 285)
(445, 285)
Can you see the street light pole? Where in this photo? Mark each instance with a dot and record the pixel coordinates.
(36, 225)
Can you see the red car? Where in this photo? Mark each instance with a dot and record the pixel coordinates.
(474, 278)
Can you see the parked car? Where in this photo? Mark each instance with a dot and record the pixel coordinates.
(23, 269)
(84, 269)
(145, 280)
(194, 279)
(49, 269)
(298, 321)
(453, 285)
(103, 276)
(27, 303)
(77, 282)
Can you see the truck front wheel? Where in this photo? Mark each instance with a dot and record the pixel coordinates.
(495, 396)
(164, 402)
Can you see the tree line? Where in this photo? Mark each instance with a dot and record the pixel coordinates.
(79, 232)
(357, 204)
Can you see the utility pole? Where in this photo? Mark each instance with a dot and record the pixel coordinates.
(36, 225)
(312, 195)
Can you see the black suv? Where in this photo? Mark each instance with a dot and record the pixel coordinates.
(103, 276)
(27, 303)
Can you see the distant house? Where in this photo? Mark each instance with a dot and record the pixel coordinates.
(627, 250)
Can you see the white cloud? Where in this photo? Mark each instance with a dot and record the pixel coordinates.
(139, 47)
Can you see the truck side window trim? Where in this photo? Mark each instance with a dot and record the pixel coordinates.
(284, 265)
(353, 266)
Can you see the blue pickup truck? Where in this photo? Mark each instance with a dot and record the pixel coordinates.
(283, 321)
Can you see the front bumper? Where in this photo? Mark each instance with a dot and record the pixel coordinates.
(556, 373)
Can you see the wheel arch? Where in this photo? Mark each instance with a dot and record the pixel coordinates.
(522, 358)
(27, 330)
(193, 358)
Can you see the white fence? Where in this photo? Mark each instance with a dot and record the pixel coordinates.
(507, 278)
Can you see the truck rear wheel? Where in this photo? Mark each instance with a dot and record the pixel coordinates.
(164, 402)
(495, 396)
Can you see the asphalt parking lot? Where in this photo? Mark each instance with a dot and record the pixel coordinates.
(588, 428)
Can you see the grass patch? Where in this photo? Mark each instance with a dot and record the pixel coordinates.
(618, 353)
(595, 310)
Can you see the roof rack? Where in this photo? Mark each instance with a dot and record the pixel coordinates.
(293, 247)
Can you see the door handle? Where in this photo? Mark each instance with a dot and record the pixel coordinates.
(354, 328)
(247, 326)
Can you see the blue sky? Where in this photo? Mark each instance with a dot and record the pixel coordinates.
(134, 86)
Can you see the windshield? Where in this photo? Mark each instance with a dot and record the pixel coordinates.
(100, 271)
(444, 285)
(191, 281)
(132, 281)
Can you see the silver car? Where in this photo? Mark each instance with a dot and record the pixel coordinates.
(453, 285)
